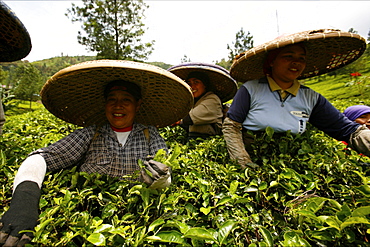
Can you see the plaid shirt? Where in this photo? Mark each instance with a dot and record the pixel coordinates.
(102, 153)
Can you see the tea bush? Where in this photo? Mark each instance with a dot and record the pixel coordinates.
(309, 191)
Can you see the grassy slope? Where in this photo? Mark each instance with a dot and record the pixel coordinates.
(334, 88)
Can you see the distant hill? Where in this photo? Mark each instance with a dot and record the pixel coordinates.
(50, 66)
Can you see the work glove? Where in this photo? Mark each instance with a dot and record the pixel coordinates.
(360, 140)
(22, 215)
(156, 174)
(235, 146)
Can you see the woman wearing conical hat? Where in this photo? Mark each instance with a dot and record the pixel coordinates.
(272, 95)
(120, 104)
(211, 86)
(15, 43)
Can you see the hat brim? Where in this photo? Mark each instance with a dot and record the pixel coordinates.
(221, 83)
(76, 94)
(15, 41)
(326, 51)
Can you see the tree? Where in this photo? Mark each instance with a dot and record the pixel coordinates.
(352, 30)
(28, 82)
(243, 42)
(185, 59)
(224, 63)
(112, 28)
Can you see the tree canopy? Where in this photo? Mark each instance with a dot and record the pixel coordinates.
(112, 28)
(243, 42)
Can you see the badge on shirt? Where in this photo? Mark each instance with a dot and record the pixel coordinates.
(301, 114)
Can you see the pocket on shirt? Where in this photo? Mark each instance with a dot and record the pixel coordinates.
(102, 158)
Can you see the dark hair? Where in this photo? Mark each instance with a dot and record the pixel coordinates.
(127, 86)
(200, 76)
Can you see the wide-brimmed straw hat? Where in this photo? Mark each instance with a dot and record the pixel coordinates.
(15, 42)
(220, 81)
(326, 50)
(76, 93)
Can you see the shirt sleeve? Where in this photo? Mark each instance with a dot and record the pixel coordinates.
(67, 151)
(240, 106)
(156, 141)
(328, 119)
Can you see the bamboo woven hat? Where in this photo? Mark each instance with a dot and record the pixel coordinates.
(221, 83)
(76, 94)
(15, 42)
(326, 50)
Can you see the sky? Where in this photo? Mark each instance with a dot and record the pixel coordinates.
(199, 30)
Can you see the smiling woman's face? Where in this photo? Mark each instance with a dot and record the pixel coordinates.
(197, 87)
(121, 108)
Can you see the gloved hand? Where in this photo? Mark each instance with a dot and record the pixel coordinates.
(22, 215)
(235, 146)
(156, 174)
(360, 140)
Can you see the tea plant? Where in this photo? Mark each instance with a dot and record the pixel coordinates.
(308, 191)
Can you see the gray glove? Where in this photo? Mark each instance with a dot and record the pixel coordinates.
(234, 141)
(156, 174)
(360, 140)
(22, 215)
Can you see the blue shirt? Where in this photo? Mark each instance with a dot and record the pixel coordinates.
(256, 107)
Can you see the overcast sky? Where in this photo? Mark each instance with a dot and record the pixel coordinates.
(201, 30)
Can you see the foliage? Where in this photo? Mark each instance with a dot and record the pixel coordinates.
(359, 83)
(243, 42)
(113, 29)
(28, 82)
(309, 191)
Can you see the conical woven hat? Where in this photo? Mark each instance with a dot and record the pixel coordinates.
(326, 50)
(76, 93)
(221, 83)
(15, 42)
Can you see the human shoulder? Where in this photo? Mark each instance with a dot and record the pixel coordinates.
(307, 90)
(211, 95)
(255, 83)
(137, 127)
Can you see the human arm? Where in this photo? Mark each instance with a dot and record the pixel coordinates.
(328, 119)
(232, 128)
(155, 174)
(23, 211)
(232, 131)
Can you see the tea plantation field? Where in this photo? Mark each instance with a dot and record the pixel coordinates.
(309, 191)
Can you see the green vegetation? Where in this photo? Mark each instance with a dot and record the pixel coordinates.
(310, 190)
(113, 29)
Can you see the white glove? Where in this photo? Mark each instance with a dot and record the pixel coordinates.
(156, 174)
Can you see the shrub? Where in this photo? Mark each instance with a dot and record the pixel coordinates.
(309, 191)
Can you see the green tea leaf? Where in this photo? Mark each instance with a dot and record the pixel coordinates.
(266, 236)
(97, 239)
(224, 230)
(199, 233)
